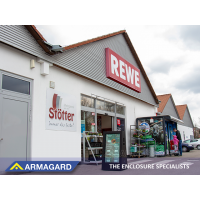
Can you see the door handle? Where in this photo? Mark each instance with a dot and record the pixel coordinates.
(1, 139)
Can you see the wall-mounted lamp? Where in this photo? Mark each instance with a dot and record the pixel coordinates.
(44, 67)
(32, 64)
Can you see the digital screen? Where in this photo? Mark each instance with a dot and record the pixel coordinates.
(112, 148)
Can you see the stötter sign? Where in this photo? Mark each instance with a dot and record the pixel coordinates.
(60, 111)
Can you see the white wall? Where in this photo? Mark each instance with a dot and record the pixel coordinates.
(185, 130)
(53, 144)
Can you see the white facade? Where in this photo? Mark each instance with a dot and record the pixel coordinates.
(63, 145)
(185, 131)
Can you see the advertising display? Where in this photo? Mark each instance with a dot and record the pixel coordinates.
(144, 127)
(60, 111)
(114, 151)
(121, 71)
(112, 148)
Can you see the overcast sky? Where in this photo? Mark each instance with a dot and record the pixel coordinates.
(169, 54)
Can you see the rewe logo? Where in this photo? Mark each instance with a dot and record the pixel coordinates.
(55, 112)
(121, 71)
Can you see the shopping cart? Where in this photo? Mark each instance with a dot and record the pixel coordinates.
(174, 149)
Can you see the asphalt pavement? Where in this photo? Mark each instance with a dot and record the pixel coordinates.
(188, 164)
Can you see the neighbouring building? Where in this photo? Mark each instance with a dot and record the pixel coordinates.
(185, 129)
(167, 106)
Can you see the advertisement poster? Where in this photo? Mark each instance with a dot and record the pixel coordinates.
(60, 111)
(145, 127)
(112, 148)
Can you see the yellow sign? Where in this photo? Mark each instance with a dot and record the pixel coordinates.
(16, 166)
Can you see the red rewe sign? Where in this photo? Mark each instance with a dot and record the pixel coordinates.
(121, 71)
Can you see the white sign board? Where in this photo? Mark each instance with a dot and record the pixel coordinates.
(60, 111)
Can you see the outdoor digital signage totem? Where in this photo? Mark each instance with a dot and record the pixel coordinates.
(114, 150)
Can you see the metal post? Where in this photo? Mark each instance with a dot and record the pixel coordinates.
(115, 118)
(84, 146)
(95, 117)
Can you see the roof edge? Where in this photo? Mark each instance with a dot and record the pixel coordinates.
(188, 112)
(92, 40)
(140, 65)
(166, 101)
(39, 38)
(175, 107)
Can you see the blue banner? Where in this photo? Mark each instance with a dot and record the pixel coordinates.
(52, 166)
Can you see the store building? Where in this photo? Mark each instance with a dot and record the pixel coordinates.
(185, 129)
(50, 94)
(167, 107)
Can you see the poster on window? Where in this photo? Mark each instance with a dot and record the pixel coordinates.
(60, 111)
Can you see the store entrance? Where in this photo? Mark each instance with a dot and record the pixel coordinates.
(104, 123)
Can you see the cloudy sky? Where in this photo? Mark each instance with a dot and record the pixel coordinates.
(170, 55)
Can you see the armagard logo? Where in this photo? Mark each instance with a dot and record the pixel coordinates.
(26, 166)
(16, 166)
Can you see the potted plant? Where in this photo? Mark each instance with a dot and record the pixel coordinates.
(135, 135)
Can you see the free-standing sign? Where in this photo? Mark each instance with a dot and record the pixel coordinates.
(60, 111)
(121, 71)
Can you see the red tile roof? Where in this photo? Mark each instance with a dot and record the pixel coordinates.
(181, 110)
(164, 99)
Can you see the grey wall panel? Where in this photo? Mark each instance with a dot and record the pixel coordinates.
(88, 60)
(187, 119)
(170, 109)
(19, 37)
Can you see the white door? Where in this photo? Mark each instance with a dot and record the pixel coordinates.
(14, 126)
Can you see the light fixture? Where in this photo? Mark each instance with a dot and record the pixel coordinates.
(32, 64)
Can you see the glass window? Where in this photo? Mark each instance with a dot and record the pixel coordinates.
(109, 107)
(100, 104)
(87, 121)
(87, 101)
(15, 84)
(120, 109)
(187, 141)
(104, 105)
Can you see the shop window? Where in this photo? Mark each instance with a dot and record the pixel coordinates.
(87, 121)
(120, 110)
(15, 84)
(109, 107)
(87, 101)
(100, 105)
(104, 105)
